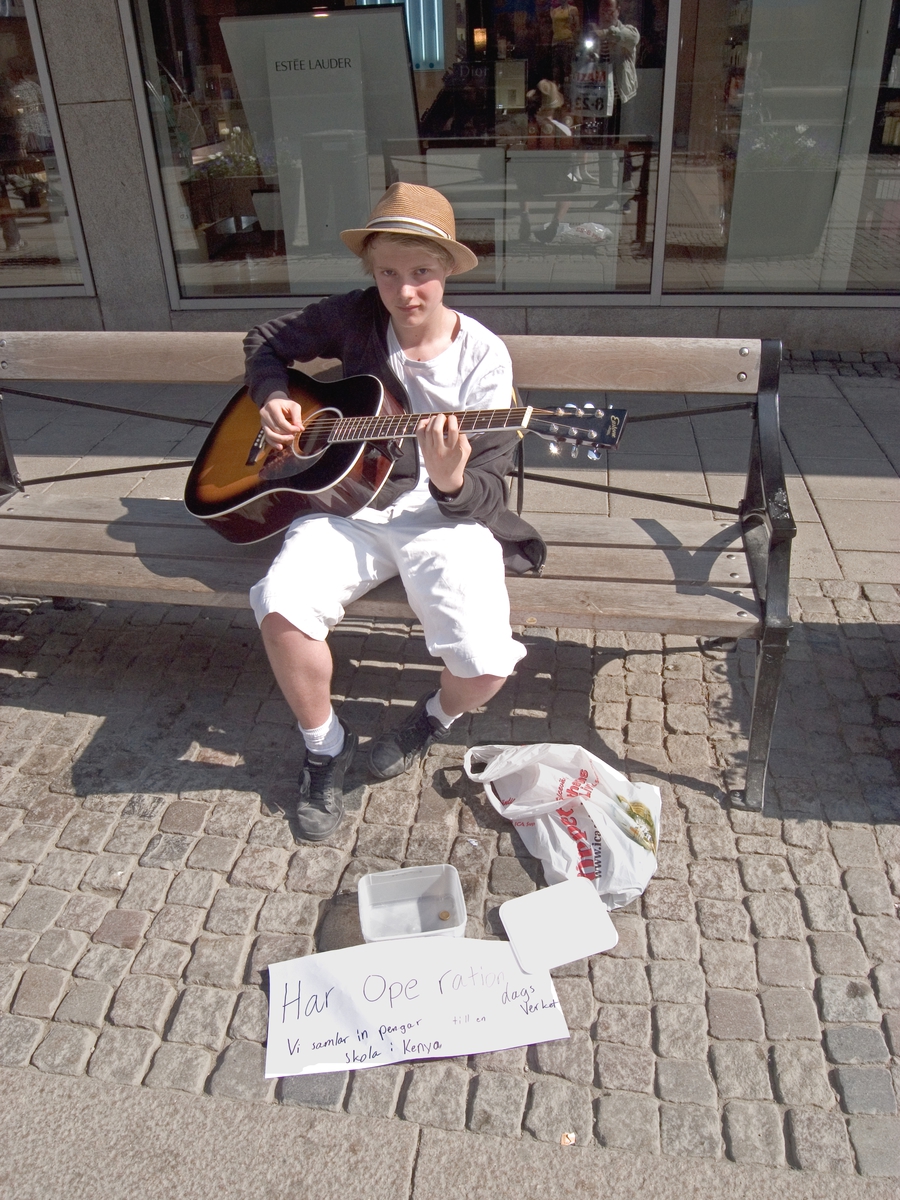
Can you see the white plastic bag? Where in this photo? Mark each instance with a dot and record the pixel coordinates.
(587, 231)
(575, 813)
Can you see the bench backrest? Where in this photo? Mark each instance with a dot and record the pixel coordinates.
(608, 364)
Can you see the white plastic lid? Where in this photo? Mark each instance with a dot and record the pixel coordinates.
(557, 925)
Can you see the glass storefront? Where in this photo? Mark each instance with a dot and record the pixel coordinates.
(539, 122)
(786, 156)
(37, 243)
(276, 123)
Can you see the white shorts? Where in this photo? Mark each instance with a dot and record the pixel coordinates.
(452, 571)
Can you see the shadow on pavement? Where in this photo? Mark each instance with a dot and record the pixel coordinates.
(142, 699)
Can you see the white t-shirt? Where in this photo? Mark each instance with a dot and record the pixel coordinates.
(475, 371)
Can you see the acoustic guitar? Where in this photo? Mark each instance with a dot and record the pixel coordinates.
(247, 490)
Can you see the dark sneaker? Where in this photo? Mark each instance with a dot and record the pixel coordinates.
(321, 803)
(401, 748)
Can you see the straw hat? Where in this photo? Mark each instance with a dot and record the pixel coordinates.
(421, 211)
(551, 96)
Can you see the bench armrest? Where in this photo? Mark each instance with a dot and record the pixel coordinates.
(766, 520)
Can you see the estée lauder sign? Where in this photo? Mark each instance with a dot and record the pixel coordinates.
(318, 117)
(314, 64)
(315, 80)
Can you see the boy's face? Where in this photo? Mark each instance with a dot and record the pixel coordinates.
(410, 282)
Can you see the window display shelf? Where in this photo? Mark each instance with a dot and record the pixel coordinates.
(886, 129)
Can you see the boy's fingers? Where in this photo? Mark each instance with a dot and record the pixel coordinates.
(281, 421)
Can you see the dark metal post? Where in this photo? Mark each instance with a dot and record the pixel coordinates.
(768, 528)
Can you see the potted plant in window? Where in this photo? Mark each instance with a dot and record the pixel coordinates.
(784, 184)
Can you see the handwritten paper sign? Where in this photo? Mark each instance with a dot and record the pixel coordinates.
(390, 1001)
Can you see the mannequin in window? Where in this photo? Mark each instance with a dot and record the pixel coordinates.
(10, 156)
(31, 117)
(566, 26)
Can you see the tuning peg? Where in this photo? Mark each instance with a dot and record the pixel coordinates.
(593, 454)
(573, 433)
(590, 408)
(574, 451)
(560, 412)
(553, 428)
(553, 449)
(579, 412)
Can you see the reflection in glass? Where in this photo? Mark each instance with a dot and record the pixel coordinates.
(541, 128)
(37, 247)
(783, 167)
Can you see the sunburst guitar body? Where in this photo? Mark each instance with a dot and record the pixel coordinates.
(247, 490)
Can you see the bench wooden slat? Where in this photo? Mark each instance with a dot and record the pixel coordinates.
(175, 542)
(583, 550)
(196, 549)
(146, 549)
(129, 357)
(28, 572)
(696, 365)
(613, 364)
(575, 529)
(641, 608)
(545, 602)
(586, 529)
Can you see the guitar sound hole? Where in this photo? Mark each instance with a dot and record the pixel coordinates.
(313, 441)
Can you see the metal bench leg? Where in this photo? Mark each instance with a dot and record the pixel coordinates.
(768, 529)
(770, 656)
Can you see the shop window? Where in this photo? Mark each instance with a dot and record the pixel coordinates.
(538, 119)
(425, 27)
(786, 167)
(37, 243)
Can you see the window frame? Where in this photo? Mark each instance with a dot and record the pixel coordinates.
(37, 290)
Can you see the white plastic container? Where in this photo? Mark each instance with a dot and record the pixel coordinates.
(412, 902)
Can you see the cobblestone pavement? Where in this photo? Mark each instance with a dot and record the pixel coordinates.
(148, 874)
(865, 364)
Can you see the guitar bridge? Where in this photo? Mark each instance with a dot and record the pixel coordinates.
(256, 449)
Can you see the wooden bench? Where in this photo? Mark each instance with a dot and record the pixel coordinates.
(725, 576)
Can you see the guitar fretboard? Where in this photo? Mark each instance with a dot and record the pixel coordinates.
(391, 428)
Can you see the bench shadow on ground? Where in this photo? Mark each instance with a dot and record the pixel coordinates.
(186, 704)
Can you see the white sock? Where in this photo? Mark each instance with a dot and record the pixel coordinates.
(433, 708)
(324, 739)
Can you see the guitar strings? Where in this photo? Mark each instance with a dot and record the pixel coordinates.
(405, 424)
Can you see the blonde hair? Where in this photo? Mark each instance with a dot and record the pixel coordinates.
(429, 245)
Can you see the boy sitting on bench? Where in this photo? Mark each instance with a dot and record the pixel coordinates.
(440, 522)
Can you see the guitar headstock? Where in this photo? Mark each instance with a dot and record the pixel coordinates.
(586, 425)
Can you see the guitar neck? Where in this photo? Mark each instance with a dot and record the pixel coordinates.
(392, 428)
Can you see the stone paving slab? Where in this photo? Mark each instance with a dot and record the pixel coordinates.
(110, 1143)
(842, 428)
(114, 1143)
(448, 1164)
